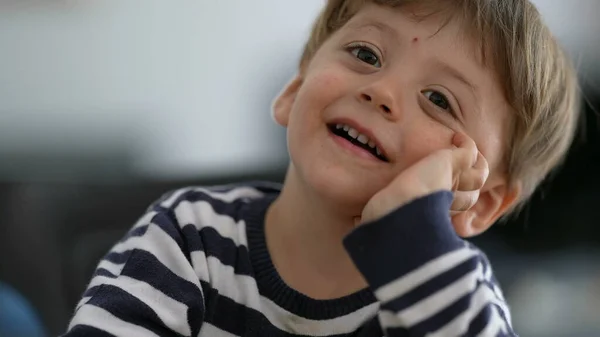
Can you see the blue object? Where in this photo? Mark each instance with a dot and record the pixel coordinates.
(17, 316)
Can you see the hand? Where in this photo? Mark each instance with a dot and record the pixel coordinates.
(468, 186)
(461, 169)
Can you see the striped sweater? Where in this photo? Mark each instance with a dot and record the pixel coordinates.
(197, 264)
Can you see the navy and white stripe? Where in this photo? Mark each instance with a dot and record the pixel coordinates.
(196, 264)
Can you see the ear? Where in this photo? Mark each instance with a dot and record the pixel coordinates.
(282, 105)
(495, 199)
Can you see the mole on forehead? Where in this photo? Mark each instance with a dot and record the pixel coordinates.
(380, 27)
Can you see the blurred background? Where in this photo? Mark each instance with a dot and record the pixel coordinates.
(106, 105)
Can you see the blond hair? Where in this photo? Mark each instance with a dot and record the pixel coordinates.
(538, 80)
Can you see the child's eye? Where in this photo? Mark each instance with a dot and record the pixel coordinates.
(366, 55)
(438, 99)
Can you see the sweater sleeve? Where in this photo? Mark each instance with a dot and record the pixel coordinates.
(428, 280)
(145, 286)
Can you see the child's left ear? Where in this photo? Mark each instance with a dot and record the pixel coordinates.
(282, 105)
(494, 200)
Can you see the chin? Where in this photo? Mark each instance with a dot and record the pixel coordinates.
(342, 189)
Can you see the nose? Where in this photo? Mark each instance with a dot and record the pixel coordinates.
(380, 97)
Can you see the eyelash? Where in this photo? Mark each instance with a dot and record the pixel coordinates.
(356, 47)
(449, 108)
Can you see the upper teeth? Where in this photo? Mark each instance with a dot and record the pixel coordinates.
(359, 136)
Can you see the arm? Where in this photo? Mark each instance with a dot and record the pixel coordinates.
(145, 286)
(429, 281)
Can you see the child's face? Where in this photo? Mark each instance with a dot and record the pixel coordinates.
(397, 81)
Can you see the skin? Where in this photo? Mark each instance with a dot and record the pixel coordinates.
(436, 112)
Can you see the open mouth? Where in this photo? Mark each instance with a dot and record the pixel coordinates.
(356, 138)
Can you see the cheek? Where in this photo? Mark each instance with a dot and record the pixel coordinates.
(325, 85)
(421, 141)
(320, 89)
(326, 76)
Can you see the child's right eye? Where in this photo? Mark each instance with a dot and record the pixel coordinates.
(366, 55)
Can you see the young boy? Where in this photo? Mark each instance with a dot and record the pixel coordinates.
(411, 125)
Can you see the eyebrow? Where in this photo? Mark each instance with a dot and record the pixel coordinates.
(445, 67)
(382, 27)
(458, 75)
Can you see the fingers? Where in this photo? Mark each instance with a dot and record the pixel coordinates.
(470, 171)
(474, 178)
(464, 154)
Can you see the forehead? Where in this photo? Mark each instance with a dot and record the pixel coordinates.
(441, 24)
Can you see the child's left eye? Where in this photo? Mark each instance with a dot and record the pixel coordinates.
(440, 100)
(437, 98)
(366, 55)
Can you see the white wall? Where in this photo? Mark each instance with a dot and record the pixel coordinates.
(575, 23)
(192, 80)
(183, 85)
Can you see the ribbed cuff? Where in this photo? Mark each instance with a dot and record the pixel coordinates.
(407, 238)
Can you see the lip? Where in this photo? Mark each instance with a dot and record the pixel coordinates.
(365, 131)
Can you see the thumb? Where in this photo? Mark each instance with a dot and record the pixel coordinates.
(464, 153)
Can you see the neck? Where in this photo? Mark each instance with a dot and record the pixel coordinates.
(304, 237)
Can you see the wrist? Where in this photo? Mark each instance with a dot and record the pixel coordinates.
(385, 203)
